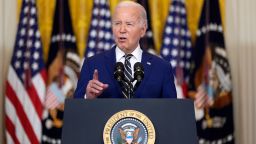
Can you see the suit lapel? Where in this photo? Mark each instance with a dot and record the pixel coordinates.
(110, 60)
(147, 64)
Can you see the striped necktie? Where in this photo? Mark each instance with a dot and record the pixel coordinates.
(127, 90)
(127, 67)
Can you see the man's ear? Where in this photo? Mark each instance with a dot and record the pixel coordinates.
(143, 30)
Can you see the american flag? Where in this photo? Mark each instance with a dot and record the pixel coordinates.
(176, 47)
(100, 33)
(25, 86)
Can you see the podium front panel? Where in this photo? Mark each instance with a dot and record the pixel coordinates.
(173, 119)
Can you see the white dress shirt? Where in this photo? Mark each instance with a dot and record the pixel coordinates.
(137, 56)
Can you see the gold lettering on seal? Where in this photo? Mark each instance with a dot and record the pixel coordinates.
(129, 114)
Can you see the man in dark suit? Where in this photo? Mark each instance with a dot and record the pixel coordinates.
(97, 79)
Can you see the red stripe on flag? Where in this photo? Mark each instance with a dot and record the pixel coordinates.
(35, 100)
(21, 114)
(44, 75)
(11, 129)
(51, 101)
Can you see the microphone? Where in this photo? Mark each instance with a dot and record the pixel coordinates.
(119, 71)
(138, 72)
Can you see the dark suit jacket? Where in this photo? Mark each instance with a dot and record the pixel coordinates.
(158, 79)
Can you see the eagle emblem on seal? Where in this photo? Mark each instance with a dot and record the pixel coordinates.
(130, 136)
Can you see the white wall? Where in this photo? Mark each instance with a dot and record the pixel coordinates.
(1, 67)
(241, 45)
(8, 26)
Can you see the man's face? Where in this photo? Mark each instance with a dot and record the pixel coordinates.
(127, 28)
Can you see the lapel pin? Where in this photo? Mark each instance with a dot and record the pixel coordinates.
(149, 63)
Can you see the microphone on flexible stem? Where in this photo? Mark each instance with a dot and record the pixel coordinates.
(120, 77)
(119, 71)
(138, 72)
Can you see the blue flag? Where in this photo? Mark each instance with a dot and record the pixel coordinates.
(63, 67)
(212, 73)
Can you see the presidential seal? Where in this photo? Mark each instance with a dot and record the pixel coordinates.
(129, 127)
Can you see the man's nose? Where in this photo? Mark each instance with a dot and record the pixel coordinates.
(123, 28)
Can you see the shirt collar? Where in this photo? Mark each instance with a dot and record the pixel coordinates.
(137, 53)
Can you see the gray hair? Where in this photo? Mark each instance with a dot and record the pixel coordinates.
(143, 13)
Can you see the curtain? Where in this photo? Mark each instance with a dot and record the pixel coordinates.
(8, 26)
(241, 45)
